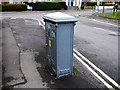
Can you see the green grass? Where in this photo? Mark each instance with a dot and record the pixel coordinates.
(110, 15)
(75, 69)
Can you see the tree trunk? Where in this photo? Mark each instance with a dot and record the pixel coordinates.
(113, 10)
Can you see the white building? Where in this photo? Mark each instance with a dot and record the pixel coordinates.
(12, 1)
(68, 2)
(21, 1)
(74, 3)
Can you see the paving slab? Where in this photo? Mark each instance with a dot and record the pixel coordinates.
(0, 54)
(12, 74)
(28, 66)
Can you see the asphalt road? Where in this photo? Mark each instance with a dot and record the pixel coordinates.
(95, 40)
(99, 43)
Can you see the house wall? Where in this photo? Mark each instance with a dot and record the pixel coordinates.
(12, 1)
(34, 1)
(75, 2)
(21, 1)
(4, 1)
(105, 7)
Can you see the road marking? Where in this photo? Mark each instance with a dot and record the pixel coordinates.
(39, 20)
(41, 23)
(105, 30)
(77, 15)
(93, 72)
(13, 17)
(102, 22)
(105, 22)
(106, 76)
(16, 17)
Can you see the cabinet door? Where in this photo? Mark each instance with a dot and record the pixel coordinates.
(51, 45)
(47, 43)
(53, 48)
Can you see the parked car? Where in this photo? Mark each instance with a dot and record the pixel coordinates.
(29, 8)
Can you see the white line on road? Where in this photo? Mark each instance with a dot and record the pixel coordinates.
(13, 17)
(106, 76)
(105, 22)
(41, 23)
(101, 79)
(105, 30)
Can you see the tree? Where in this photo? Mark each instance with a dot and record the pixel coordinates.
(115, 8)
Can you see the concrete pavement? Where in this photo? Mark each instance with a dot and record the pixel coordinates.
(0, 54)
(28, 66)
(12, 74)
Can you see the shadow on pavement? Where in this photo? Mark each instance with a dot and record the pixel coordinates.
(70, 81)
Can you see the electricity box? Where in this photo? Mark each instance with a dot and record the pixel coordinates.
(59, 42)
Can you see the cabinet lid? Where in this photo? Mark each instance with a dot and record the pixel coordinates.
(60, 17)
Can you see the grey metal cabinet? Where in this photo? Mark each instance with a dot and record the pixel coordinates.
(59, 42)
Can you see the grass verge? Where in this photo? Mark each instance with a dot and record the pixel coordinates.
(75, 69)
(110, 15)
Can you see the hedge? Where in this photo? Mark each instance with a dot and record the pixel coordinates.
(63, 5)
(51, 5)
(14, 7)
(48, 6)
(91, 3)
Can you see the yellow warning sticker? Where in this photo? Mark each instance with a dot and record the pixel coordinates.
(49, 43)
